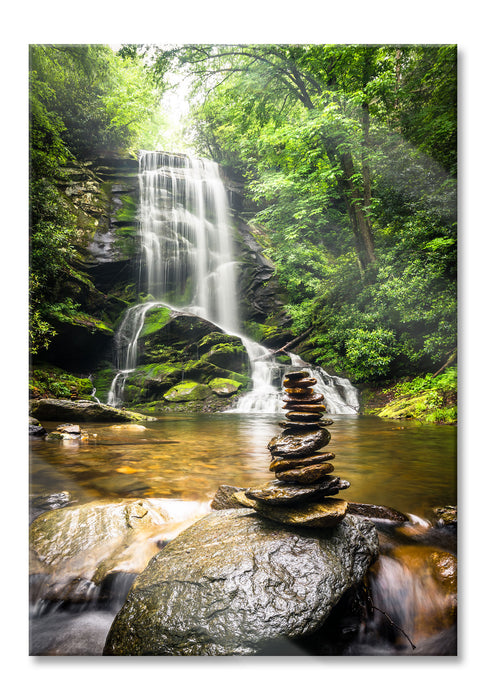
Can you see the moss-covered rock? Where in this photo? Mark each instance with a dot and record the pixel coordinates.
(155, 319)
(81, 411)
(224, 387)
(230, 356)
(188, 391)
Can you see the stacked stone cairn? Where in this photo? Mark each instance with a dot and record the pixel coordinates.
(301, 493)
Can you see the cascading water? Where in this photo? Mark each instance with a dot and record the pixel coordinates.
(187, 259)
(185, 236)
(126, 349)
(187, 263)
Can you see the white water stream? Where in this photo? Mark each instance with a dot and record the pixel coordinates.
(187, 263)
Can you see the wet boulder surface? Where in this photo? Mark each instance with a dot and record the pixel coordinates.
(238, 584)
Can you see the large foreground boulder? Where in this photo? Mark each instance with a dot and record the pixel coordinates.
(233, 583)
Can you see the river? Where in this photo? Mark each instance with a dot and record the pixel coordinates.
(184, 458)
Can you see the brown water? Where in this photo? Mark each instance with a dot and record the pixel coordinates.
(407, 466)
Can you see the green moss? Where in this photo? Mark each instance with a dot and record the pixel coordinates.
(128, 209)
(224, 387)
(426, 398)
(231, 356)
(47, 381)
(155, 319)
(188, 391)
(102, 380)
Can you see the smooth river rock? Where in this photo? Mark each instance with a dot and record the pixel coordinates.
(276, 493)
(278, 464)
(234, 583)
(326, 513)
(307, 475)
(87, 542)
(299, 445)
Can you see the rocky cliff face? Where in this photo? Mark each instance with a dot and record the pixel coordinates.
(104, 195)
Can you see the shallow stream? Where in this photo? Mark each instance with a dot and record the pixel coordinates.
(407, 466)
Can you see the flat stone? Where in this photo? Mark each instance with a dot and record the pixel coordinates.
(306, 407)
(299, 445)
(297, 374)
(301, 416)
(299, 382)
(306, 475)
(276, 493)
(240, 498)
(299, 391)
(307, 398)
(374, 512)
(278, 465)
(294, 426)
(327, 513)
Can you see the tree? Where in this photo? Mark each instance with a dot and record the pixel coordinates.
(336, 145)
(315, 77)
(84, 101)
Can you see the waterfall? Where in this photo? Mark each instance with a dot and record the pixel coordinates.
(187, 263)
(126, 340)
(187, 256)
(340, 396)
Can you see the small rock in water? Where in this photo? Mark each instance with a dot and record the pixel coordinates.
(69, 428)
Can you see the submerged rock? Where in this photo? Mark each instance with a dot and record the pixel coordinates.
(89, 541)
(233, 583)
(35, 428)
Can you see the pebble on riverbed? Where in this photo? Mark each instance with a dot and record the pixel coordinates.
(301, 492)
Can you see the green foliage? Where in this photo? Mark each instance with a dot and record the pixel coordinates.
(85, 101)
(428, 398)
(325, 135)
(47, 381)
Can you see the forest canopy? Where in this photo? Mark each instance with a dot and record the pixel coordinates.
(347, 158)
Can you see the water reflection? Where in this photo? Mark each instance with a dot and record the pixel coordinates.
(407, 466)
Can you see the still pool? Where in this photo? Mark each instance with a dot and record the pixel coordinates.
(405, 465)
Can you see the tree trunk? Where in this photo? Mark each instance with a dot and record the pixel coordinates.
(355, 203)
